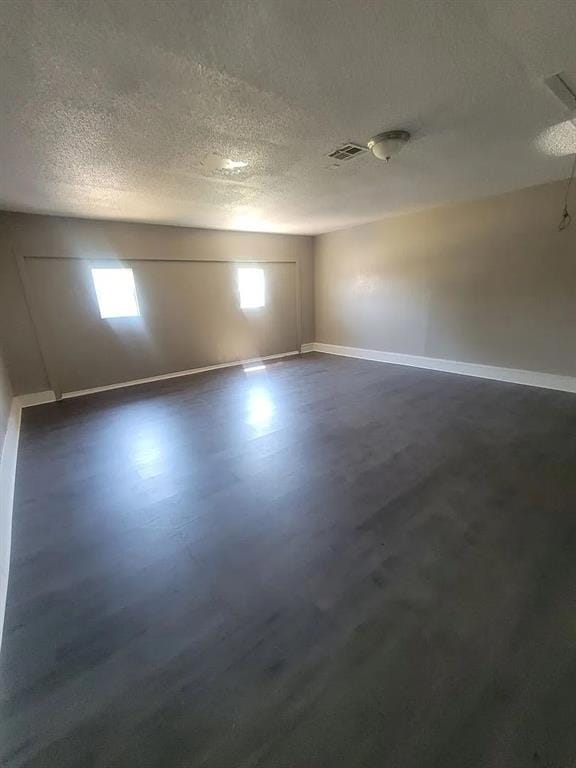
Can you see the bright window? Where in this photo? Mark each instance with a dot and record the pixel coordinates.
(116, 292)
(251, 287)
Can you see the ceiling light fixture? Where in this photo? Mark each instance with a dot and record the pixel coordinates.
(233, 165)
(217, 163)
(387, 144)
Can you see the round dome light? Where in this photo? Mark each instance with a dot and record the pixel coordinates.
(386, 145)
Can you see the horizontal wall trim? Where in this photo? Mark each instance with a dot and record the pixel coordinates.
(305, 348)
(184, 260)
(8, 459)
(496, 373)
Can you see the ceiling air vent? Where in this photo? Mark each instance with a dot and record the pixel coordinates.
(347, 151)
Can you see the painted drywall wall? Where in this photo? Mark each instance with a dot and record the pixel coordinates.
(190, 318)
(490, 282)
(5, 401)
(53, 324)
(21, 351)
(8, 448)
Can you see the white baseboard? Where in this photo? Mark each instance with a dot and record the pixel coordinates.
(496, 373)
(512, 375)
(8, 459)
(48, 396)
(176, 374)
(36, 398)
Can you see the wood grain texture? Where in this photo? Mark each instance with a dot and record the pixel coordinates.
(329, 563)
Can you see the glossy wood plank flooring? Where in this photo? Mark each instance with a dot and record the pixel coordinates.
(329, 563)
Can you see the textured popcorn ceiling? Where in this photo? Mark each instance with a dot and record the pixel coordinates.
(112, 109)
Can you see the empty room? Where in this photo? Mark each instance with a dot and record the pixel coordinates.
(287, 383)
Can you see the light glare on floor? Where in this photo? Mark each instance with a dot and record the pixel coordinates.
(252, 368)
(260, 408)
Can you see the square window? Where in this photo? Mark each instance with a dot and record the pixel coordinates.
(252, 288)
(116, 292)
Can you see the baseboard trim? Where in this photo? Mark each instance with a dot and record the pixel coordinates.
(48, 396)
(177, 374)
(8, 460)
(511, 375)
(495, 373)
(36, 398)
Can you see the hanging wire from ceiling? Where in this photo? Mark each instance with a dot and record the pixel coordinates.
(566, 219)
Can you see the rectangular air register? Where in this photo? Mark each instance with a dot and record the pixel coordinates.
(347, 151)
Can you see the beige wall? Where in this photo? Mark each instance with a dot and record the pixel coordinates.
(5, 401)
(490, 282)
(190, 318)
(7, 471)
(186, 284)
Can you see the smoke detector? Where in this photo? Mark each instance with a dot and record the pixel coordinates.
(386, 145)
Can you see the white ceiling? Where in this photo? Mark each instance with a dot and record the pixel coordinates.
(108, 108)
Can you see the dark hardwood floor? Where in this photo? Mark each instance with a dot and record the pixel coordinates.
(329, 563)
